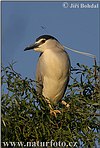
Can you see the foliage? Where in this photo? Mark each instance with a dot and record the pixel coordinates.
(26, 116)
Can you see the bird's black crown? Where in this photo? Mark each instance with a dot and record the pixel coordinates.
(46, 37)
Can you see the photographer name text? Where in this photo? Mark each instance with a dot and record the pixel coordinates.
(81, 5)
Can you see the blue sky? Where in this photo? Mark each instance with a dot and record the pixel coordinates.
(77, 28)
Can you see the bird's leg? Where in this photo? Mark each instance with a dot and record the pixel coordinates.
(64, 103)
(52, 111)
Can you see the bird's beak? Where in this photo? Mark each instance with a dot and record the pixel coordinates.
(35, 45)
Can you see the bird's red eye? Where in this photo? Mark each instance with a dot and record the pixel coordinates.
(43, 41)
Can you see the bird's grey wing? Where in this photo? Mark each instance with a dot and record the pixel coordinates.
(39, 79)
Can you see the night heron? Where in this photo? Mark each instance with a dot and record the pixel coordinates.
(53, 69)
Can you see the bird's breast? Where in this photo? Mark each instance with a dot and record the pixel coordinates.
(54, 65)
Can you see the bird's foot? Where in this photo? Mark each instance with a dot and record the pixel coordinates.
(64, 103)
(54, 112)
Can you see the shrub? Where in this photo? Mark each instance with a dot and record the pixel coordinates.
(26, 116)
